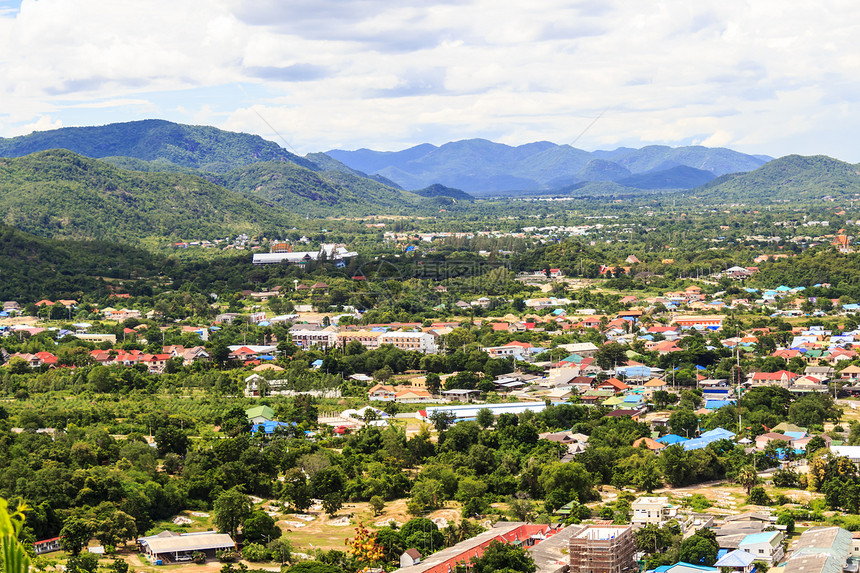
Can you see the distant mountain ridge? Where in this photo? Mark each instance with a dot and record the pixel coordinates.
(793, 177)
(188, 146)
(478, 165)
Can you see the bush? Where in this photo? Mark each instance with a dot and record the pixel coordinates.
(198, 557)
(758, 496)
(255, 552)
(785, 478)
(227, 556)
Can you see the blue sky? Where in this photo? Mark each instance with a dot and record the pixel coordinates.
(766, 77)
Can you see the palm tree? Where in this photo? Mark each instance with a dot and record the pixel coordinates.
(747, 477)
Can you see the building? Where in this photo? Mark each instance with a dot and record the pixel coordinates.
(416, 341)
(525, 535)
(706, 322)
(171, 547)
(368, 338)
(410, 557)
(47, 546)
(260, 414)
(821, 550)
(765, 546)
(603, 549)
(652, 510)
(306, 339)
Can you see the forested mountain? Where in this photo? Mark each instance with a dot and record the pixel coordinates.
(442, 191)
(61, 194)
(678, 177)
(195, 146)
(312, 192)
(35, 267)
(793, 177)
(478, 165)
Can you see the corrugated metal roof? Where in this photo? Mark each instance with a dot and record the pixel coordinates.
(193, 542)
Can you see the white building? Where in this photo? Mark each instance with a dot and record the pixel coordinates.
(417, 341)
(306, 339)
(652, 510)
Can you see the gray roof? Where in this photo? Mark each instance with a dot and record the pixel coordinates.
(820, 550)
(188, 542)
(551, 555)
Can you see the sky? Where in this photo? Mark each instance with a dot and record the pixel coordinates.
(761, 76)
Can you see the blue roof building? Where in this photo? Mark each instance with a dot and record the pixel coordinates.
(670, 439)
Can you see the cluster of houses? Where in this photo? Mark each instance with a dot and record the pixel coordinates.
(154, 363)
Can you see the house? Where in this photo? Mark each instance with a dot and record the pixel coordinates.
(259, 414)
(763, 440)
(782, 378)
(850, 373)
(765, 546)
(655, 385)
(613, 384)
(412, 557)
(652, 510)
(649, 443)
(381, 392)
(47, 546)
(738, 561)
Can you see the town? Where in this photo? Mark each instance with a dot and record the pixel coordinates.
(583, 420)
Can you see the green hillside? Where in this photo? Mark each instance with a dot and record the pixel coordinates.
(316, 193)
(60, 194)
(36, 267)
(195, 146)
(794, 177)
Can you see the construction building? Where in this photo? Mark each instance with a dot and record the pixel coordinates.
(603, 549)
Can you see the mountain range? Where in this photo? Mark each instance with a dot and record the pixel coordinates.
(479, 166)
(150, 181)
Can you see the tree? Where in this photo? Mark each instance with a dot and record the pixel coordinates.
(442, 420)
(747, 478)
(83, 563)
(75, 535)
(281, 550)
(700, 548)
(758, 496)
(260, 527)
(231, 508)
(485, 418)
(171, 440)
(255, 552)
(332, 503)
(813, 445)
(422, 534)
(115, 528)
(787, 520)
(610, 355)
(503, 557)
(684, 423)
(363, 547)
(377, 504)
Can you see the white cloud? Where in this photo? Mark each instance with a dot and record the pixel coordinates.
(762, 76)
(43, 123)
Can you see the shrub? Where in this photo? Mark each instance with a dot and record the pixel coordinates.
(255, 552)
(758, 496)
